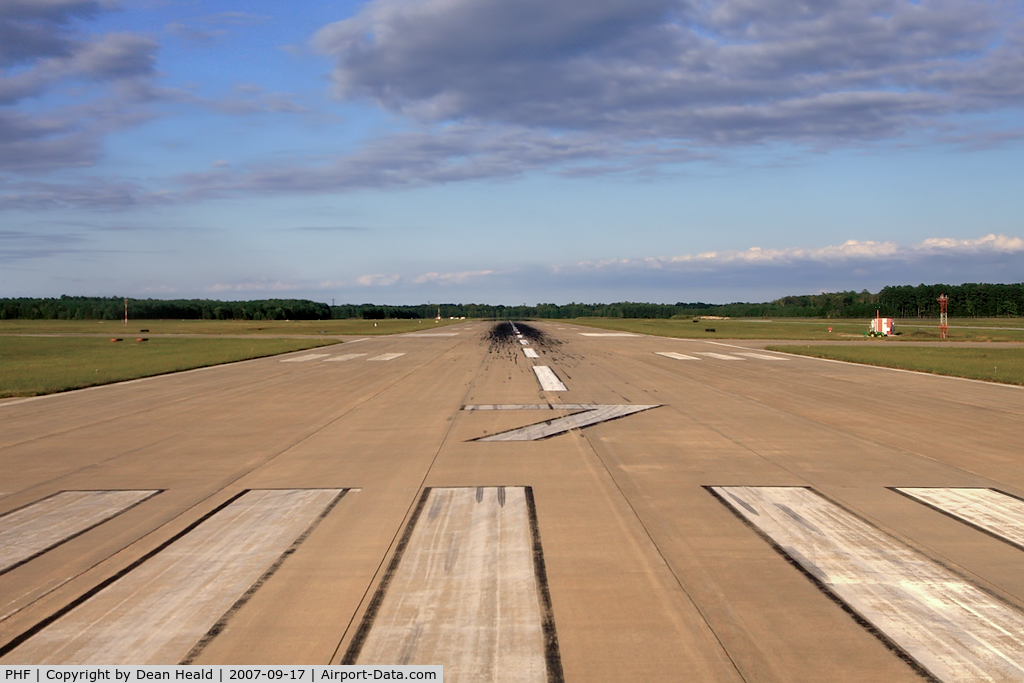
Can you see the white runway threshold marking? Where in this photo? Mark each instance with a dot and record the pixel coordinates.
(607, 334)
(431, 334)
(761, 356)
(386, 356)
(676, 356)
(591, 414)
(719, 356)
(530, 353)
(948, 626)
(466, 589)
(548, 379)
(344, 357)
(30, 531)
(303, 359)
(162, 610)
(991, 511)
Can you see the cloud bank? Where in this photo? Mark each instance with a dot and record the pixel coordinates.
(488, 89)
(736, 72)
(754, 274)
(42, 55)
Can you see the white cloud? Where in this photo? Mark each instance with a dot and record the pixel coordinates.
(755, 274)
(451, 278)
(377, 280)
(257, 286)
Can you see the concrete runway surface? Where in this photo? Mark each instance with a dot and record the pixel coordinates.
(682, 510)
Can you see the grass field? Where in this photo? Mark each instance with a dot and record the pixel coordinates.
(218, 327)
(995, 365)
(31, 366)
(813, 329)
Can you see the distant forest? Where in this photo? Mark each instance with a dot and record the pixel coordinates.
(968, 300)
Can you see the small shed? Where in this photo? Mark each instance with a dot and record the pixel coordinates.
(883, 326)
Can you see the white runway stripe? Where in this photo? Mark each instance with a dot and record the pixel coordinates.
(676, 356)
(524, 342)
(534, 406)
(997, 513)
(34, 529)
(347, 356)
(158, 611)
(950, 627)
(465, 592)
(607, 334)
(719, 356)
(593, 414)
(530, 353)
(386, 356)
(303, 359)
(548, 379)
(761, 356)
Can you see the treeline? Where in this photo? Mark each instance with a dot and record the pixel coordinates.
(967, 300)
(846, 304)
(112, 308)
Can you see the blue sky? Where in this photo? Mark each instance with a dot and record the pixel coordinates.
(403, 151)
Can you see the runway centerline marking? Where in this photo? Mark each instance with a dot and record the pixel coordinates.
(719, 356)
(524, 342)
(307, 357)
(676, 356)
(386, 356)
(943, 623)
(548, 379)
(993, 512)
(530, 353)
(590, 414)
(466, 589)
(159, 611)
(30, 531)
(344, 357)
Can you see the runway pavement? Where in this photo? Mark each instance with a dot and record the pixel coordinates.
(673, 510)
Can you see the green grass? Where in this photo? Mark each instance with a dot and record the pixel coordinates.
(30, 366)
(813, 329)
(219, 327)
(995, 365)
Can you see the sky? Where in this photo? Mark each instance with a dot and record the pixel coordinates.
(508, 151)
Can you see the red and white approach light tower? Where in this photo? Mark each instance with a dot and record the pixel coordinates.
(943, 318)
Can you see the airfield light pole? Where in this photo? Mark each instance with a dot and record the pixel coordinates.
(943, 317)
